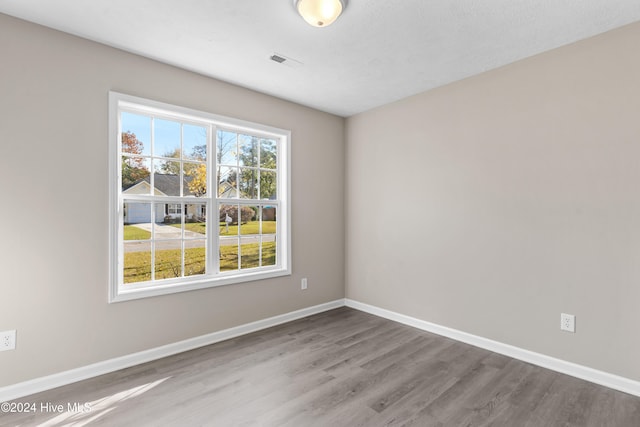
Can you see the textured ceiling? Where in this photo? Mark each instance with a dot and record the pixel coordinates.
(379, 51)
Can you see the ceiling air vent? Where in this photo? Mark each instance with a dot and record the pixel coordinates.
(285, 60)
(278, 59)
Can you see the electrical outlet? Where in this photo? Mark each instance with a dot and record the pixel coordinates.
(303, 284)
(7, 340)
(567, 322)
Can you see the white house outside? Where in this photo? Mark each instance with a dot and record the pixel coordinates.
(165, 185)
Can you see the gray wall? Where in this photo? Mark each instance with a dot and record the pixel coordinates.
(53, 175)
(494, 204)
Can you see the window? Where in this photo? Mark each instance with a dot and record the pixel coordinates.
(198, 200)
(174, 209)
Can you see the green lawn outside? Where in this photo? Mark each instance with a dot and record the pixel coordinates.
(251, 227)
(249, 256)
(137, 265)
(196, 227)
(131, 232)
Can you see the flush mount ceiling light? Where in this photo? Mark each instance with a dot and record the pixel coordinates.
(320, 13)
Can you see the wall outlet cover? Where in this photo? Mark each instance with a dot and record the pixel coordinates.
(7, 340)
(567, 322)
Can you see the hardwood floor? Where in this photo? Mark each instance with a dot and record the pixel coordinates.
(339, 368)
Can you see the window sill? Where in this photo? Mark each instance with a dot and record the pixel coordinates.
(123, 294)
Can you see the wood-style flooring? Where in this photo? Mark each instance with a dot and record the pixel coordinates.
(338, 368)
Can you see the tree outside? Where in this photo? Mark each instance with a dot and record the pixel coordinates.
(133, 168)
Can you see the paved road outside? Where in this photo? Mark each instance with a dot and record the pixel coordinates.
(173, 236)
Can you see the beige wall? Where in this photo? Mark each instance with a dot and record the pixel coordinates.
(490, 205)
(53, 133)
(494, 204)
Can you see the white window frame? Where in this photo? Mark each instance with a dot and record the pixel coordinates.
(118, 291)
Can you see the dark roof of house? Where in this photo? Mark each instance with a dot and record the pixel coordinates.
(169, 184)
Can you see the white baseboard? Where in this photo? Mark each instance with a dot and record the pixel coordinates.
(37, 385)
(589, 374)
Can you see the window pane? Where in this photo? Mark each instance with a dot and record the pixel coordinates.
(248, 183)
(166, 178)
(228, 220)
(268, 185)
(195, 221)
(195, 177)
(194, 142)
(137, 247)
(268, 153)
(167, 167)
(227, 148)
(227, 182)
(248, 150)
(136, 218)
(168, 221)
(168, 262)
(269, 228)
(228, 254)
(136, 134)
(268, 255)
(195, 257)
(250, 252)
(188, 168)
(135, 175)
(250, 223)
(137, 262)
(269, 218)
(166, 138)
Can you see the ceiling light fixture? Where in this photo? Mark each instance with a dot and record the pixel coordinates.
(320, 13)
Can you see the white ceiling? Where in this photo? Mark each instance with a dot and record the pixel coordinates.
(379, 51)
